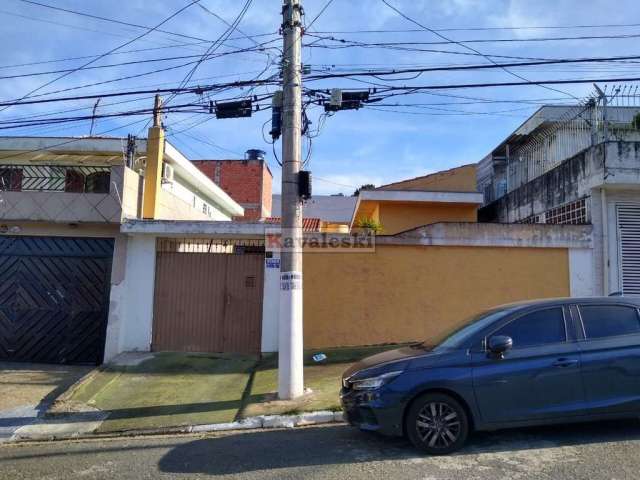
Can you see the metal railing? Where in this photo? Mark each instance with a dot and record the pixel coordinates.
(610, 115)
(55, 178)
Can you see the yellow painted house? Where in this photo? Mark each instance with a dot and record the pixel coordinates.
(448, 196)
(434, 265)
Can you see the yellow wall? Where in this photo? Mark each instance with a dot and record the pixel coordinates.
(397, 217)
(409, 293)
(460, 179)
(153, 172)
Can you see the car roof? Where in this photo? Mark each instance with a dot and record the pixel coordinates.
(613, 300)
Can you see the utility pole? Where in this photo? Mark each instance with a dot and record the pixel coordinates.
(290, 358)
(157, 111)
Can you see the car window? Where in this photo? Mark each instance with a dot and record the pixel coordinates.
(537, 328)
(602, 321)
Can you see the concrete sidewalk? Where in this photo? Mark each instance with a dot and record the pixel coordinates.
(29, 389)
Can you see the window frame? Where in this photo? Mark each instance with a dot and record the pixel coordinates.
(583, 330)
(567, 338)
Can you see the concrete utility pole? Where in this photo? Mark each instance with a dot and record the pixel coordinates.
(290, 359)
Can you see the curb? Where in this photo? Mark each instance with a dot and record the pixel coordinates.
(250, 423)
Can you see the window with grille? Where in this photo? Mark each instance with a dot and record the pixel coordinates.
(574, 213)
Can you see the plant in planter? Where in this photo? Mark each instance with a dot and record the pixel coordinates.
(369, 225)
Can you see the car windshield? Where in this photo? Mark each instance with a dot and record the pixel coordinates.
(467, 329)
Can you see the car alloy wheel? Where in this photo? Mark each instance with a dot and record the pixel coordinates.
(437, 424)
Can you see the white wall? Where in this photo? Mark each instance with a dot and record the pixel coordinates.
(271, 304)
(581, 282)
(131, 303)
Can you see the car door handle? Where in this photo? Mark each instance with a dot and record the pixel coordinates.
(565, 362)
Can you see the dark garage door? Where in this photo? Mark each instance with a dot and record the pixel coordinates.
(54, 298)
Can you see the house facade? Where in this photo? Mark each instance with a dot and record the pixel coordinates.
(574, 165)
(62, 254)
(216, 285)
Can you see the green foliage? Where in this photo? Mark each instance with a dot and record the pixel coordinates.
(370, 224)
(366, 186)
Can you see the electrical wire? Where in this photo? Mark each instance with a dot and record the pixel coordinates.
(148, 31)
(133, 62)
(406, 17)
(379, 73)
(129, 24)
(322, 10)
(469, 29)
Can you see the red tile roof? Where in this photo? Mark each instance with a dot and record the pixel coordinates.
(308, 224)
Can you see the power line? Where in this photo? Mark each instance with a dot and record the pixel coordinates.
(466, 47)
(470, 29)
(196, 90)
(216, 44)
(515, 84)
(75, 27)
(148, 31)
(326, 5)
(134, 62)
(128, 24)
(6, 125)
(123, 52)
(492, 40)
(214, 14)
(469, 67)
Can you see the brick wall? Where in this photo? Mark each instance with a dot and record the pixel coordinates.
(248, 182)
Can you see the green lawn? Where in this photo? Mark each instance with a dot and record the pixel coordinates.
(171, 389)
(322, 378)
(175, 389)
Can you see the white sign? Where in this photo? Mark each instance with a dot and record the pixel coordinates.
(291, 281)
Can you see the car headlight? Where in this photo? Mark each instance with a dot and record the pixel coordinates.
(372, 383)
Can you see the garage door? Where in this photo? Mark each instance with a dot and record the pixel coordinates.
(54, 298)
(208, 302)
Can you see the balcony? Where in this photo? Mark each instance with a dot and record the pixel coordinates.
(68, 193)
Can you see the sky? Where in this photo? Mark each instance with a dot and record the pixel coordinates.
(409, 136)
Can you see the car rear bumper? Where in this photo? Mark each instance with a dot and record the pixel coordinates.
(368, 411)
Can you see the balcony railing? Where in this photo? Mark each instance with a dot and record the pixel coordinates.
(55, 178)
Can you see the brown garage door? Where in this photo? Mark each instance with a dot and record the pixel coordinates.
(208, 302)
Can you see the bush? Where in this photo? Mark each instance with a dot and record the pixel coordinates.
(370, 224)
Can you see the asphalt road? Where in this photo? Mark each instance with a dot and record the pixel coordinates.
(592, 451)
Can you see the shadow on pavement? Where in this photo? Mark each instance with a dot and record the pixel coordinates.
(268, 450)
(30, 389)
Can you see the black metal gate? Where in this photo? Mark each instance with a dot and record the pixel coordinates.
(54, 298)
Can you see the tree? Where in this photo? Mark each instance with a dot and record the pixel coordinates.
(366, 186)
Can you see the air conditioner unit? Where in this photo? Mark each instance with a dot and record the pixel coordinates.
(167, 173)
(139, 165)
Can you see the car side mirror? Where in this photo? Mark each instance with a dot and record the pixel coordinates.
(499, 344)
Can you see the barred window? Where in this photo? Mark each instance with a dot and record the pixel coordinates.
(574, 213)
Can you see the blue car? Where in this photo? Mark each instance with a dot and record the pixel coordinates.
(533, 363)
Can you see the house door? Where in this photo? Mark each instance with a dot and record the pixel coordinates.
(208, 302)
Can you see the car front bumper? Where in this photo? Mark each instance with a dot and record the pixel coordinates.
(373, 411)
